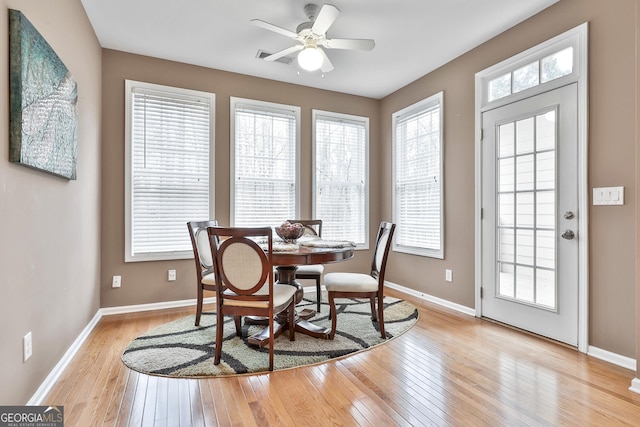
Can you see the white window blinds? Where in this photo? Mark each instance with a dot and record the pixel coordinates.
(265, 175)
(168, 179)
(418, 178)
(341, 181)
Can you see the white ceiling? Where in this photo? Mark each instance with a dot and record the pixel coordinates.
(413, 37)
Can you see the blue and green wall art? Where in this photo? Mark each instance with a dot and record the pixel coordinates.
(43, 118)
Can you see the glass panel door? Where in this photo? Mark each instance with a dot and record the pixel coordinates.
(530, 218)
(526, 221)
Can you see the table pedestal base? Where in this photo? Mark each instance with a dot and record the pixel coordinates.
(302, 326)
(287, 276)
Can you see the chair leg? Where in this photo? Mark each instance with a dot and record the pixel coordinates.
(372, 300)
(199, 306)
(318, 294)
(219, 328)
(381, 316)
(238, 322)
(292, 320)
(271, 343)
(333, 315)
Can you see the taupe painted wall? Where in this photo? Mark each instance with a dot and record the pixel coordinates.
(50, 226)
(145, 282)
(57, 234)
(612, 155)
(611, 162)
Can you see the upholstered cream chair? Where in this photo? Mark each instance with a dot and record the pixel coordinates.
(359, 285)
(244, 281)
(205, 279)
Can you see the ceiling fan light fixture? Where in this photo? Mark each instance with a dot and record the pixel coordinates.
(310, 59)
(311, 38)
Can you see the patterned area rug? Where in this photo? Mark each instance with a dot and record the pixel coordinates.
(180, 349)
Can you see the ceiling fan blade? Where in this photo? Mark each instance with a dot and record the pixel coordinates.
(327, 15)
(283, 52)
(267, 26)
(326, 63)
(355, 44)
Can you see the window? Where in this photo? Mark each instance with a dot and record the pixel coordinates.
(417, 176)
(556, 64)
(341, 179)
(169, 145)
(264, 158)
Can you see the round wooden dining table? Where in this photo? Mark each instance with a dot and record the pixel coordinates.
(287, 262)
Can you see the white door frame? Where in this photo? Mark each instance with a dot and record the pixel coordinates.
(577, 38)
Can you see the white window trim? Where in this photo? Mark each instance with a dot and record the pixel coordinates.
(351, 118)
(129, 86)
(232, 148)
(437, 98)
(578, 38)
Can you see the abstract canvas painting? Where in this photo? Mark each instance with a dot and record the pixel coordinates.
(43, 97)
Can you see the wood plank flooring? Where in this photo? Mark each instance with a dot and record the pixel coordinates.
(448, 370)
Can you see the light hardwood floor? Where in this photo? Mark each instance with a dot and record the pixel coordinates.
(449, 369)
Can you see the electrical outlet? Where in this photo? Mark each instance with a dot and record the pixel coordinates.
(448, 275)
(116, 282)
(27, 348)
(171, 276)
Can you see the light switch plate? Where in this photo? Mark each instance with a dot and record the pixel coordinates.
(608, 196)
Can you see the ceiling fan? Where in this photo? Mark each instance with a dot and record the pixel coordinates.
(312, 38)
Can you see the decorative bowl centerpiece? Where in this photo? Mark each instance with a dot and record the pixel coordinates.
(289, 232)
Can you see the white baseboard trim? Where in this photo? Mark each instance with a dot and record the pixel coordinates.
(108, 311)
(442, 302)
(613, 358)
(598, 353)
(54, 375)
(62, 364)
(50, 380)
(312, 289)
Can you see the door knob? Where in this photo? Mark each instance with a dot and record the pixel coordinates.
(568, 234)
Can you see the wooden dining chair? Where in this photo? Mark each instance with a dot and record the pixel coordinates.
(205, 279)
(359, 285)
(244, 281)
(204, 262)
(312, 227)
